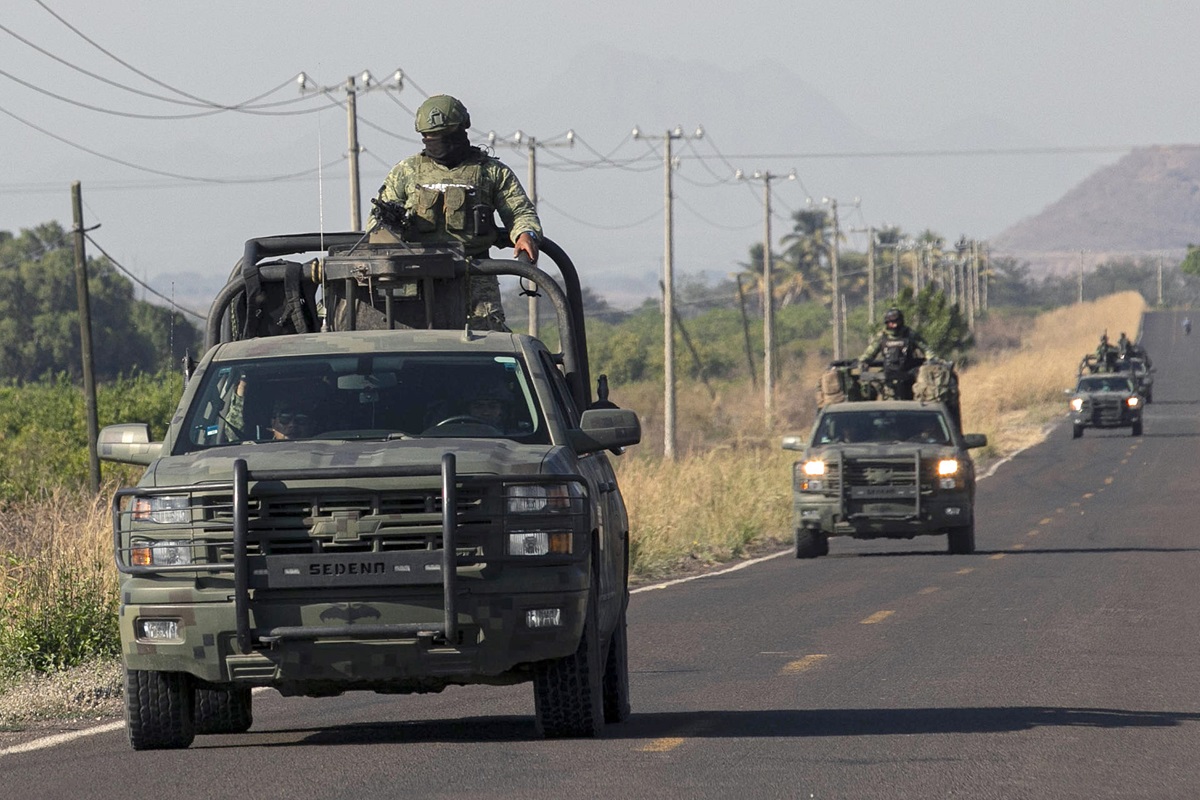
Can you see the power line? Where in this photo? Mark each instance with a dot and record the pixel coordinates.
(131, 165)
(589, 224)
(142, 283)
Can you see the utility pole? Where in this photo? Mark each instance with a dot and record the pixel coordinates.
(768, 292)
(85, 338)
(871, 275)
(668, 287)
(1081, 277)
(531, 144)
(1160, 288)
(353, 89)
(837, 280)
(870, 231)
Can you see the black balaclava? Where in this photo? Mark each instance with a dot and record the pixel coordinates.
(450, 150)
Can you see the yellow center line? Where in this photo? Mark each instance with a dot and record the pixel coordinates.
(802, 664)
(878, 616)
(1032, 533)
(1108, 481)
(1045, 521)
(965, 571)
(1087, 495)
(996, 556)
(1018, 546)
(663, 745)
(928, 590)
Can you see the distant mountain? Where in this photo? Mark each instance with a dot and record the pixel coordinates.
(1148, 203)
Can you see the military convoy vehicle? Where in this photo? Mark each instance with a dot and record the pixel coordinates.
(1106, 400)
(377, 498)
(875, 467)
(1135, 362)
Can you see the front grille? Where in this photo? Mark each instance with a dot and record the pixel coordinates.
(353, 521)
(1107, 410)
(876, 472)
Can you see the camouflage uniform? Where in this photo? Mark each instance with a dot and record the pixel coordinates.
(903, 351)
(438, 200)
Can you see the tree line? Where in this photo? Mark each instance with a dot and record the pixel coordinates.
(39, 315)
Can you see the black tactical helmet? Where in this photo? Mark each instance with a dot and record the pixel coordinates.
(441, 114)
(894, 315)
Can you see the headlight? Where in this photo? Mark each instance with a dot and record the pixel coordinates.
(1077, 404)
(532, 498)
(169, 509)
(1133, 402)
(948, 466)
(814, 467)
(160, 554)
(539, 543)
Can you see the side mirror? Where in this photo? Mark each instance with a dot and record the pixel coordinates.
(127, 444)
(973, 440)
(606, 429)
(793, 443)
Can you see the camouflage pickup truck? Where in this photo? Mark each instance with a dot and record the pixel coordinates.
(891, 469)
(1106, 400)
(396, 509)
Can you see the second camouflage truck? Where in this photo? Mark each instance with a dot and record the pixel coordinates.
(877, 467)
(396, 510)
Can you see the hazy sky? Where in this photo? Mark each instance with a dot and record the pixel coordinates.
(1100, 76)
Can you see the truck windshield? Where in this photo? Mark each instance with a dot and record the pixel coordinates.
(368, 396)
(881, 427)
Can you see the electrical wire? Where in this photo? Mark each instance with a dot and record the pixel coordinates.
(142, 283)
(589, 224)
(131, 165)
(710, 222)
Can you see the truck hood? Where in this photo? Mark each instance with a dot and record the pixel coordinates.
(473, 456)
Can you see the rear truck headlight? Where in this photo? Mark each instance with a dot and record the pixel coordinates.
(540, 543)
(167, 509)
(1077, 404)
(158, 629)
(532, 498)
(1133, 402)
(543, 618)
(160, 554)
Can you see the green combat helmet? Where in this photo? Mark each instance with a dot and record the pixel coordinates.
(441, 114)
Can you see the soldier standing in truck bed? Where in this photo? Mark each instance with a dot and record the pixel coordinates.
(902, 351)
(449, 192)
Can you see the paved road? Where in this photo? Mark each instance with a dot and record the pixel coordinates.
(1055, 662)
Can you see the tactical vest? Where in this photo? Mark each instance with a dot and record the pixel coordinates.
(897, 354)
(450, 204)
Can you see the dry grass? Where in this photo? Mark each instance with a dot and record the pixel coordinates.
(729, 488)
(726, 495)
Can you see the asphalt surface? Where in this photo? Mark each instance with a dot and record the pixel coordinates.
(1054, 662)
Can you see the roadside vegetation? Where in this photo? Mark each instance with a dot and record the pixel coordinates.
(726, 495)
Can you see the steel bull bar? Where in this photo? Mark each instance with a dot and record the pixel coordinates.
(446, 630)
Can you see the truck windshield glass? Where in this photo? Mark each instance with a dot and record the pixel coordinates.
(880, 427)
(371, 396)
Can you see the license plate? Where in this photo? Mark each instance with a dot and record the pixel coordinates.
(874, 492)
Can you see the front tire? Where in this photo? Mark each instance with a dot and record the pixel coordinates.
(810, 543)
(1076, 430)
(568, 692)
(616, 674)
(1137, 429)
(228, 710)
(159, 709)
(961, 541)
